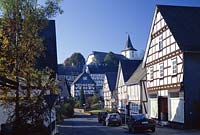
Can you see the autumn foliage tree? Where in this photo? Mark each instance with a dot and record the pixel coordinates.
(20, 47)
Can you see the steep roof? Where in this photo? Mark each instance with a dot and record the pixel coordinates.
(184, 24)
(101, 69)
(49, 59)
(128, 67)
(111, 78)
(128, 45)
(68, 70)
(139, 74)
(80, 80)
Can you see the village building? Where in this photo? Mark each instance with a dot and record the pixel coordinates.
(83, 82)
(172, 60)
(97, 58)
(137, 93)
(108, 89)
(66, 75)
(125, 70)
(97, 73)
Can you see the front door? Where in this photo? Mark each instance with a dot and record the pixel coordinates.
(162, 108)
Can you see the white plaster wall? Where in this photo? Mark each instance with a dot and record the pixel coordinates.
(176, 110)
(3, 116)
(153, 107)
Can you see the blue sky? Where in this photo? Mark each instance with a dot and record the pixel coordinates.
(102, 25)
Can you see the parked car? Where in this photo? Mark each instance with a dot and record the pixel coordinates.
(102, 116)
(141, 122)
(112, 119)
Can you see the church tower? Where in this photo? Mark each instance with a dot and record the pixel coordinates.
(129, 51)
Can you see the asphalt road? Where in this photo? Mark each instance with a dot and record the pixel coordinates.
(88, 125)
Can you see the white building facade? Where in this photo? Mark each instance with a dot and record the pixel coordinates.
(164, 64)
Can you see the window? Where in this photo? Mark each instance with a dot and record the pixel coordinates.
(151, 72)
(135, 108)
(160, 43)
(174, 66)
(161, 70)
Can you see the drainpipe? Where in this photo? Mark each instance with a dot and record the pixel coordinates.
(141, 97)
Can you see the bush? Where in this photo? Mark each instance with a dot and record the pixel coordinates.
(66, 110)
(77, 104)
(95, 106)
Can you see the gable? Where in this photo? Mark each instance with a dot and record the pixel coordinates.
(83, 78)
(159, 28)
(120, 77)
(184, 24)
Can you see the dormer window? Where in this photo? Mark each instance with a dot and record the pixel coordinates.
(160, 43)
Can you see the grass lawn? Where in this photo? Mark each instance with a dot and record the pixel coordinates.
(96, 111)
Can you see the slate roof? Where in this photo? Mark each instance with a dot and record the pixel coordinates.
(80, 80)
(49, 59)
(111, 78)
(184, 23)
(139, 74)
(128, 45)
(101, 69)
(68, 70)
(128, 67)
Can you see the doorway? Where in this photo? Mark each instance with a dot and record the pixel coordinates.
(162, 108)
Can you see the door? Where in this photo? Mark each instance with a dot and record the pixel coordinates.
(162, 108)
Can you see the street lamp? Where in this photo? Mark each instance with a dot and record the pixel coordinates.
(50, 100)
(84, 106)
(100, 104)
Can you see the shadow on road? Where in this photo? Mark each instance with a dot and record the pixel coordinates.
(85, 116)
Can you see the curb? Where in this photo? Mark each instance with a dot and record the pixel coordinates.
(124, 127)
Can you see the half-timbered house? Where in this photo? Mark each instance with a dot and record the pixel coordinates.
(172, 60)
(125, 70)
(84, 82)
(137, 93)
(108, 88)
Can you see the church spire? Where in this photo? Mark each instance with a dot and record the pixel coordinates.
(129, 45)
(129, 50)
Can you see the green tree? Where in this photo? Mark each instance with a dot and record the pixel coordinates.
(111, 59)
(20, 47)
(76, 59)
(82, 97)
(95, 99)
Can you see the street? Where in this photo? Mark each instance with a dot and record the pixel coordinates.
(88, 125)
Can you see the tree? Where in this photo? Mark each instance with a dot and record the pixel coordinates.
(76, 59)
(20, 47)
(82, 97)
(111, 59)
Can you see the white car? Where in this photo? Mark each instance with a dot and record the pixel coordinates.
(113, 119)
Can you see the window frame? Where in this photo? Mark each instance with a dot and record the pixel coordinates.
(161, 70)
(174, 66)
(151, 73)
(160, 42)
